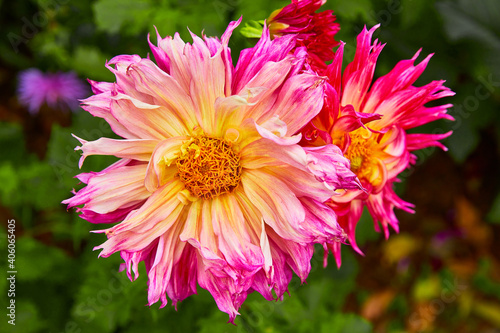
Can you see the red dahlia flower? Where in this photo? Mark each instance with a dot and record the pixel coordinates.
(369, 122)
(315, 31)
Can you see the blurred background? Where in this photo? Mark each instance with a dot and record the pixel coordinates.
(441, 273)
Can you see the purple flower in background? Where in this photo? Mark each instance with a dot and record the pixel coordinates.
(58, 90)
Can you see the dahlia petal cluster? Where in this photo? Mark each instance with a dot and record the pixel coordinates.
(369, 122)
(315, 31)
(228, 175)
(58, 90)
(212, 187)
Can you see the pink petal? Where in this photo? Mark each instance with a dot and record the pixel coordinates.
(279, 207)
(304, 92)
(329, 166)
(421, 141)
(117, 189)
(140, 150)
(359, 73)
(100, 106)
(236, 242)
(147, 223)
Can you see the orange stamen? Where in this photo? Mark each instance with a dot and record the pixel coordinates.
(209, 167)
(359, 152)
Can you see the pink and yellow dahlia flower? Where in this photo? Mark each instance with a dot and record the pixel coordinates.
(369, 122)
(315, 31)
(211, 186)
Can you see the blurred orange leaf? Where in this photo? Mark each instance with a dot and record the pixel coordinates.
(375, 306)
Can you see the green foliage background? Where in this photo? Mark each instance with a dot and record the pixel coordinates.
(402, 285)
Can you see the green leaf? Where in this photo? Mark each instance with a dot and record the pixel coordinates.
(346, 323)
(494, 214)
(427, 288)
(12, 143)
(463, 141)
(252, 29)
(10, 183)
(412, 11)
(483, 280)
(489, 311)
(35, 261)
(111, 15)
(477, 20)
(106, 298)
(250, 10)
(88, 61)
(365, 230)
(165, 22)
(10, 56)
(64, 159)
(353, 9)
(38, 179)
(53, 44)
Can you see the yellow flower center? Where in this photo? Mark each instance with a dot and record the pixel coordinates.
(360, 152)
(209, 167)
